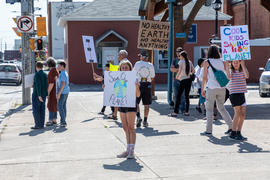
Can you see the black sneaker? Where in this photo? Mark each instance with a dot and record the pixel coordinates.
(233, 136)
(63, 124)
(228, 132)
(35, 127)
(145, 124)
(206, 133)
(240, 137)
(139, 122)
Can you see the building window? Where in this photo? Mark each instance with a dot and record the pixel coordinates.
(237, 1)
(163, 60)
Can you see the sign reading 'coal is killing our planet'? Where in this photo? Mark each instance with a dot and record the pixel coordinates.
(153, 35)
(235, 43)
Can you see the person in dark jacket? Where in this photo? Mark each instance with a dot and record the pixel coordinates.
(39, 96)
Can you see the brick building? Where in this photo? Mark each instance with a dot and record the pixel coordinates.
(257, 17)
(114, 24)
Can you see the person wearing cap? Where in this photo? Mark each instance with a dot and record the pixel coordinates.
(176, 83)
(145, 74)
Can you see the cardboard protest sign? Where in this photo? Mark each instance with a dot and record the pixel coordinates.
(235, 43)
(153, 35)
(89, 49)
(120, 89)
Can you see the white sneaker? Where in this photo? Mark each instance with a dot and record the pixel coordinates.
(131, 155)
(122, 155)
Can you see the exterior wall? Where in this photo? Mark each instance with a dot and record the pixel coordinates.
(56, 39)
(80, 72)
(259, 57)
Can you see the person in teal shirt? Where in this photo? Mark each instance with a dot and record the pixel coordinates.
(40, 92)
(62, 93)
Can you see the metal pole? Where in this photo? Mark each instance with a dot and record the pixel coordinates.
(216, 34)
(170, 53)
(26, 9)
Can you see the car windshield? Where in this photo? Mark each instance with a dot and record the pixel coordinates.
(7, 68)
(267, 67)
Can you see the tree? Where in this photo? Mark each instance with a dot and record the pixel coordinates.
(184, 26)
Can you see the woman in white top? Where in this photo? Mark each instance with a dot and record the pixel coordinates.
(185, 70)
(213, 91)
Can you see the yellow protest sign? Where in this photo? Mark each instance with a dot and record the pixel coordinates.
(114, 67)
(41, 26)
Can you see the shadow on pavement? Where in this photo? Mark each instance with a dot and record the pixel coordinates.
(55, 129)
(88, 120)
(126, 165)
(244, 146)
(13, 111)
(148, 132)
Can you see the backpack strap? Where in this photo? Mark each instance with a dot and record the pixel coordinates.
(214, 69)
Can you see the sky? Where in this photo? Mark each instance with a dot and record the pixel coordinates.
(8, 11)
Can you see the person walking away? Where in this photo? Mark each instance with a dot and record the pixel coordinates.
(176, 83)
(184, 73)
(198, 69)
(63, 91)
(101, 79)
(52, 100)
(40, 92)
(127, 115)
(214, 91)
(238, 87)
(145, 74)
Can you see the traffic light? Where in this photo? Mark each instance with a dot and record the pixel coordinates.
(32, 44)
(39, 44)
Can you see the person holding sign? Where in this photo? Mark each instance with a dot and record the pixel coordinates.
(145, 74)
(238, 87)
(101, 79)
(127, 115)
(213, 88)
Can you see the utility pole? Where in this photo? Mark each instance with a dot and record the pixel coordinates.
(26, 10)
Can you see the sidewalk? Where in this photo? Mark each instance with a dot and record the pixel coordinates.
(169, 149)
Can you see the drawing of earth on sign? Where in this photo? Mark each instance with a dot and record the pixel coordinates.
(120, 88)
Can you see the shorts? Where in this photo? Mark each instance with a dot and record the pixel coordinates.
(146, 93)
(238, 99)
(127, 109)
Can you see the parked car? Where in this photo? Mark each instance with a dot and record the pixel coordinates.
(10, 73)
(264, 88)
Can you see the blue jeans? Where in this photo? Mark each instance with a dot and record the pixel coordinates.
(38, 110)
(52, 115)
(62, 107)
(176, 86)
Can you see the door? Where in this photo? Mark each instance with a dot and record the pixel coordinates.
(109, 55)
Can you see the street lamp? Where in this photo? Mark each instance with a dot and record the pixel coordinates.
(217, 6)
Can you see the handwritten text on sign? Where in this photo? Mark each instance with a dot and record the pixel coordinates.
(120, 89)
(235, 43)
(153, 35)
